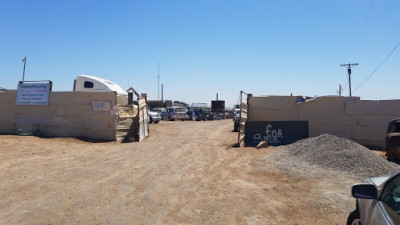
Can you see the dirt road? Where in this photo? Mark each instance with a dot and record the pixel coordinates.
(184, 173)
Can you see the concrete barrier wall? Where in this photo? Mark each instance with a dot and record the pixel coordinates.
(327, 115)
(363, 121)
(370, 119)
(68, 114)
(281, 108)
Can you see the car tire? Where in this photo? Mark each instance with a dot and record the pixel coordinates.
(354, 218)
(157, 122)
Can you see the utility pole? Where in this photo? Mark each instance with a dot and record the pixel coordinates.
(340, 90)
(23, 73)
(162, 92)
(158, 82)
(349, 65)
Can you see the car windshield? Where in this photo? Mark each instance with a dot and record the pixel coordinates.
(391, 194)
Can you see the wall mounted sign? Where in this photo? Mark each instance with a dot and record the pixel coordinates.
(101, 106)
(33, 93)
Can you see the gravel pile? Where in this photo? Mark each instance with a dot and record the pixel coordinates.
(327, 155)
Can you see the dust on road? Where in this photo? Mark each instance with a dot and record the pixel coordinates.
(184, 173)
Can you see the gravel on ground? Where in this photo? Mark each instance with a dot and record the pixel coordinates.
(326, 155)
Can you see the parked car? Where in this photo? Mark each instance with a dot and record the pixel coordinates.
(209, 115)
(236, 119)
(200, 114)
(393, 140)
(378, 201)
(154, 117)
(159, 110)
(174, 113)
(218, 116)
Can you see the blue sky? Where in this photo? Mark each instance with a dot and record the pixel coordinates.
(205, 47)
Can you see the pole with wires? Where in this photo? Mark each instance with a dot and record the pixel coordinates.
(349, 65)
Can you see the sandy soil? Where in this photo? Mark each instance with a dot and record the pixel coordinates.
(184, 173)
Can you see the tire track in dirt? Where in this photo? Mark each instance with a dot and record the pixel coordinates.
(184, 173)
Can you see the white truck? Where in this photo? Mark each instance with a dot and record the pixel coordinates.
(96, 84)
(89, 83)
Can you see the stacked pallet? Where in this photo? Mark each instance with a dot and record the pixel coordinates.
(127, 123)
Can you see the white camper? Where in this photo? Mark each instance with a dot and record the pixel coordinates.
(96, 84)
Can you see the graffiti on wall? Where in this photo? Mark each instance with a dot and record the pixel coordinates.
(270, 135)
(275, 132)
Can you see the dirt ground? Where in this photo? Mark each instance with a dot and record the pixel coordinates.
(184, 173)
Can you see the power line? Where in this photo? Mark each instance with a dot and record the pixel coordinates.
(362, 29)
(357, 41)
(365, 22)
(238, 101)
(345, 86)
(377, 68)
(392, 33)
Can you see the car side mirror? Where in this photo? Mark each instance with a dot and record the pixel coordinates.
(365, 191)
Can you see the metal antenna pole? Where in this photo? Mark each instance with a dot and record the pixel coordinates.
(23, 73)
(349, 65)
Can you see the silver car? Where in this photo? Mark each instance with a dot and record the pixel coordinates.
(174, 113)
(154, 117)
(378, 201)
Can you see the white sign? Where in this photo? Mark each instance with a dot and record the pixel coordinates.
(33, 93)
(101, 106)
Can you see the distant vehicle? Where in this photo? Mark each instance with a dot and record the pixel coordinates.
(89, 83)
(199, 114)
(96, 84)
(236, 119)
(209, 115)
(154, 117)
(378, 201)
(393, 140)
(228, 114)
(218, 116)
(218, 106)
(174, 113)
(158, 109)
